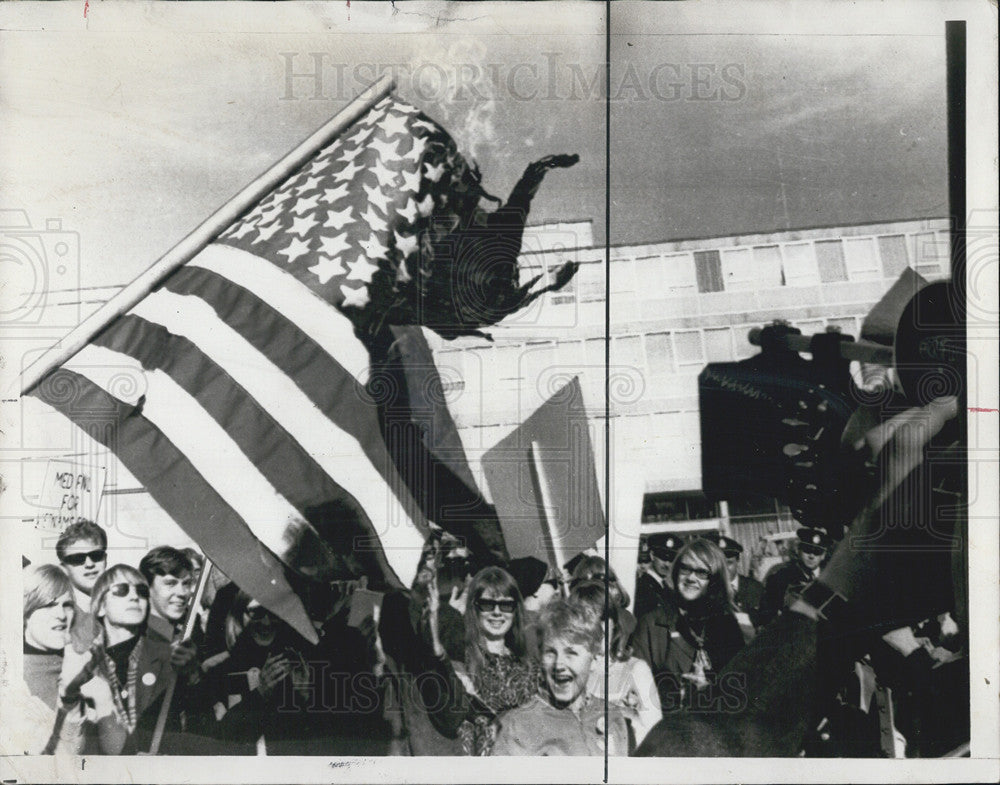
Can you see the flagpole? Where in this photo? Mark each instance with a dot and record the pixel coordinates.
(168, 695)
(557, 555)
(204, 234)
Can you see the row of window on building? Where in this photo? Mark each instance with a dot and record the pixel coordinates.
(651, 355)
(760, 267)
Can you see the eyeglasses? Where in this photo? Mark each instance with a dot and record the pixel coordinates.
(484, 605)
(813, 550)
(122, 590)
(683, 570)
(257, 613)
(78, 559)
(662, 553)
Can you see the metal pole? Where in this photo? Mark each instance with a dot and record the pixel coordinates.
(168, 695)
(557, 556)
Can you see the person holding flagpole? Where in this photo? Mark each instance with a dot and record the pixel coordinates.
(135, 668)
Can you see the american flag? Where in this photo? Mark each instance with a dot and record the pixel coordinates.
(251, 423)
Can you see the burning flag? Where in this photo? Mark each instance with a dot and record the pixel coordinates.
(254, 425)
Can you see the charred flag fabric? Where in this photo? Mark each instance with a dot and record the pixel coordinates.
(245, 413)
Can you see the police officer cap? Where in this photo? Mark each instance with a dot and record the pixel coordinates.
(816, 537)
(664, 541)
(727, 545)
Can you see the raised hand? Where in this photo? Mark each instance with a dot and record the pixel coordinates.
(183, 656)
(76, 669)
(459, 596)
(433, 606)
(276, 669)
(97, 696)
(562, 161)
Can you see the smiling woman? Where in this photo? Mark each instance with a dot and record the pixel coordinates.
(565, 720)
(685, 646)
(503, 674)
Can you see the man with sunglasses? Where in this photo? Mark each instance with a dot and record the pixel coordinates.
(793, 576)
(653, 589)
(82, 550)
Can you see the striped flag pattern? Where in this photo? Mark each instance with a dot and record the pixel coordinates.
(252, 425)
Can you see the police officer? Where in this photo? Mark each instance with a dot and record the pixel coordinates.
(795, 575)
(747, 591)
(653, 589)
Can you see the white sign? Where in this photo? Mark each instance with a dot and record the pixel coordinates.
(70, 493)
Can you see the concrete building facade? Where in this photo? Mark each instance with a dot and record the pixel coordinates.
(674, 306)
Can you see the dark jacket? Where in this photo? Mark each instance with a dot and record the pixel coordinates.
(747, 597)
(790, 575)
(666, 641)
(428, 693)
(153, 675)
(650, 595)
(335, 712)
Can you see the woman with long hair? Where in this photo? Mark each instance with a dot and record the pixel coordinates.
(500, 673)
(686, 646)
(630, 684)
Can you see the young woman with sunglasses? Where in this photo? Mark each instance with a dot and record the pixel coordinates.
(687, 646)
(135, 669)
(499, 671)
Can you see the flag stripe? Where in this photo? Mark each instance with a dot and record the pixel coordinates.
(177, 486)
(280, 332)
(313, 344)
(334, 450)
(205, 444)
(339, 393)
(282, 461)
(288, 296)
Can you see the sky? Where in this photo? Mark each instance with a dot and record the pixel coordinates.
(134, 124)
